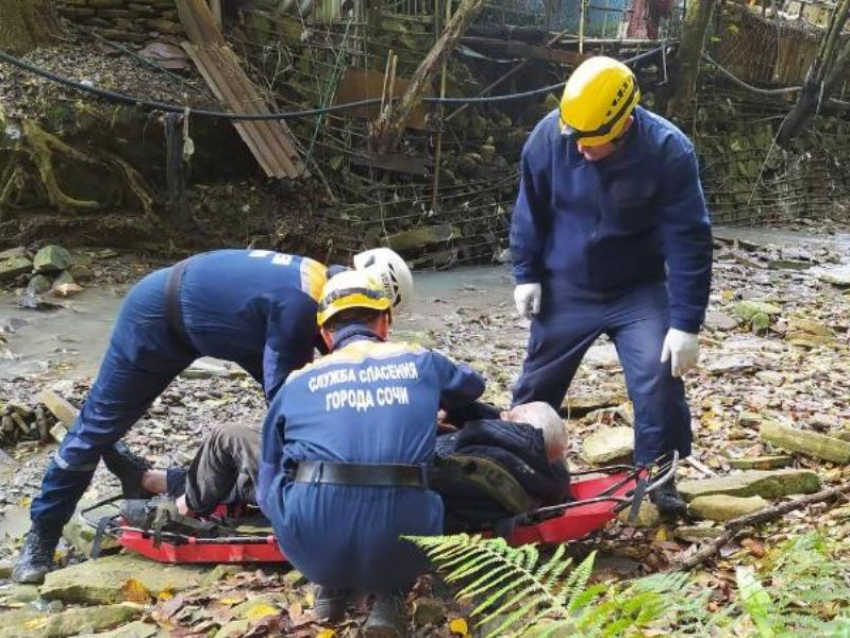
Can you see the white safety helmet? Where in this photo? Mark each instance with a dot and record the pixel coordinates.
(390, 269)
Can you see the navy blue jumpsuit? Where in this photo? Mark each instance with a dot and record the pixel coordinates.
(256, 308)
(369, 402)
(620, 246)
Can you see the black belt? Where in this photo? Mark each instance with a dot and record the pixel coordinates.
(173, 308)
(361, 475)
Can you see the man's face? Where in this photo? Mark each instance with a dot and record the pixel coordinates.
(596, 153)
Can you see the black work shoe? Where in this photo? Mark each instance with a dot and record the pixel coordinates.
(388, 618)
(138, 512)
(36, 557)
(129, 468)
(330, 604)
(668, 501)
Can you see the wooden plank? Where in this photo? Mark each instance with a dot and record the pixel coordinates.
(270, 141)
(249, 134)
(361, 84)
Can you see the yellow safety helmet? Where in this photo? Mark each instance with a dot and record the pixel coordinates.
(598, 99)
(351, 289)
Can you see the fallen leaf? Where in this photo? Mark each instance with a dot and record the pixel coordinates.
(66, 290)
(231, 600)
(661, 535)
(134, 592)
(755, 547)
(458, 626)
(164, 595)
(260, 610)
(326, 633)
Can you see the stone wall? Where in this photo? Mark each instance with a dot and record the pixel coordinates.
(124, 20)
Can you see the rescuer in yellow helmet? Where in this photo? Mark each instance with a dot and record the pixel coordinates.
(611, 235)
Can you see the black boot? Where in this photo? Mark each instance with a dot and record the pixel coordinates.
(388, 618)
(668, 501)
(330, 604)
(36, 557)
(129, 468)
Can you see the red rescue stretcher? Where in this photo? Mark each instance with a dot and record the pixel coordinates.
(597, 497)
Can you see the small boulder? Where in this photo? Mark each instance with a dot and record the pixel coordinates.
(809, 326)
(719, 321)
(63, 278)
(81, 273)
(838, 277)
(607, 444)
(52, 259)
(760, 322)
(31, 623)
(648, 515)
(768, 484)
(13, 267)
(136, 629)
(808, 341)
(747, 309)
(720, 507)
(100, 581)
(761, 462)
(39, 284)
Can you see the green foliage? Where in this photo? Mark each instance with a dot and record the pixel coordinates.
(523, 596)
(801, 589)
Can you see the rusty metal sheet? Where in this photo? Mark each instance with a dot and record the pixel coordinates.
(270, 141)
(361, 84)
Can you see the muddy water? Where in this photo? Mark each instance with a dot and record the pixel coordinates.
(68, 342)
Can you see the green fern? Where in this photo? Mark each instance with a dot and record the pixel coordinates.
(515, 588)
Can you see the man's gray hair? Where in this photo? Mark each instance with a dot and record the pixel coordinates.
(543, 416)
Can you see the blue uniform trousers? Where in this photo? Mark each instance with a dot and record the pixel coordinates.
(347, 537)
(143, 358)
(637, 322)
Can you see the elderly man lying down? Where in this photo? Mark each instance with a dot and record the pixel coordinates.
(489, 466)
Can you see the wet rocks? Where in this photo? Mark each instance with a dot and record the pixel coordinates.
(718, 321)
(31, 623)
(768, 484)
(100, 581)
(721, 507)
(52, 259)
(749, 308)
(607, 444)
(761, 463)
(13, 263)
(648, 515)
(814, 444)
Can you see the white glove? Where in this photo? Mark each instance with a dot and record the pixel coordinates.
(527, 298)
(681, 349)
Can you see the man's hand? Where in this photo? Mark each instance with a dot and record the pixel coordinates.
(681, 349)
(527, 298)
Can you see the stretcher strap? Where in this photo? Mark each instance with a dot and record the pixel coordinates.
(488, 476)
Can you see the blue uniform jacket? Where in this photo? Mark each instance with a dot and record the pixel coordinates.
(369, 402)
(254, 307)
(600, 228)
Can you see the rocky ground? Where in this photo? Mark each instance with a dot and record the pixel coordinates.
(774, 355)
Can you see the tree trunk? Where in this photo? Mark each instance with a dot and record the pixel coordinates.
(686, 65)
(28, 24)
(390, 124)
(824, 77)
